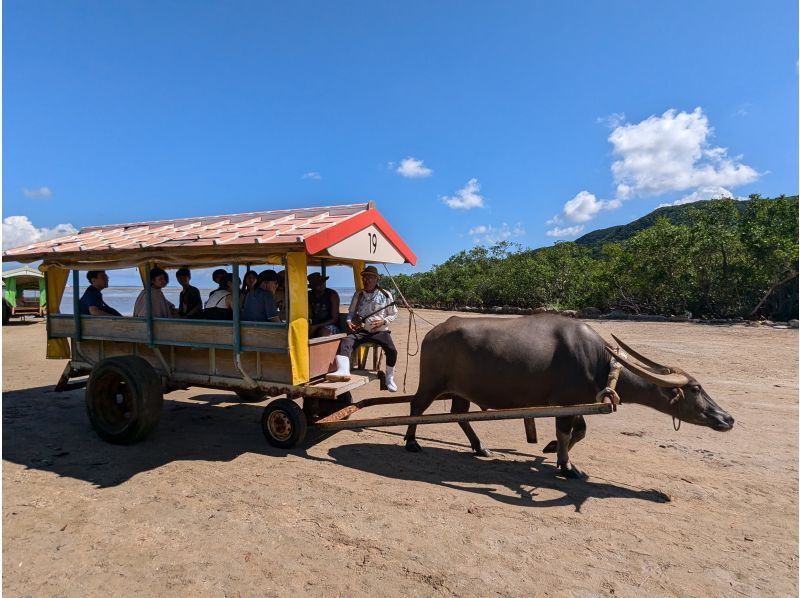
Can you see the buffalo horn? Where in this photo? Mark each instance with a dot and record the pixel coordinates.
(670, 380)
(656, 366)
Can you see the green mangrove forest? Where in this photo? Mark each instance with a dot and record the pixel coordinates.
(720, 258)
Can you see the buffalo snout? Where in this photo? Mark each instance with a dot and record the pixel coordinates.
(721, 421)
(715, 416)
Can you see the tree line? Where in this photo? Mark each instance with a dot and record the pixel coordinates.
(721, 262)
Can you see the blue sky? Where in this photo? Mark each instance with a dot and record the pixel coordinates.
(518, 118)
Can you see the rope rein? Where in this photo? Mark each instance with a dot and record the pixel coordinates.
(609, 394)
(411, 322)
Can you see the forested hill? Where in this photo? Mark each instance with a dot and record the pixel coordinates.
(682, 214)
(716, 258)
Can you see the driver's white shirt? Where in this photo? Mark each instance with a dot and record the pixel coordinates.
(377, 300)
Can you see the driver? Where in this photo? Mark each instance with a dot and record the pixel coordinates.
(371, 311)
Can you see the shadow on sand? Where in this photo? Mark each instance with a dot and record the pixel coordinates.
(18, 321)
(49, 431)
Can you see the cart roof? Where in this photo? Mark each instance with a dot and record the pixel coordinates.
(330, 233)
(24, 271)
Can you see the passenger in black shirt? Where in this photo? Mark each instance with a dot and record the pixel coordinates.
(190, 304)
(323, 307)
(92, 303)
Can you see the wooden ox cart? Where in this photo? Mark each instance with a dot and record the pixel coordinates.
(132, 361)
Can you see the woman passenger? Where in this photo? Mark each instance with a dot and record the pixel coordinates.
(159, 306)
(218, 306)
(248, 283)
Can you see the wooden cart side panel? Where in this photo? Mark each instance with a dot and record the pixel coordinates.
(128, 328)
(322, 355)
(167, 332)
(274, 367)
(267, 367)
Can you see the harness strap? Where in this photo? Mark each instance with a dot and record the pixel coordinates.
(609, 394)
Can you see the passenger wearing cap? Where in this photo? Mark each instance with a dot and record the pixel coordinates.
(159, 306)
(323, 307)
(259, 305)
(371, 311)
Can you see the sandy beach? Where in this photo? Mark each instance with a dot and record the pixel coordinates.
(205, 507)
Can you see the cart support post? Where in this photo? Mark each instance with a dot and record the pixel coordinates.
(148, 306)
(237, 324)
(237, 328)
(76, 303)
(297, 283)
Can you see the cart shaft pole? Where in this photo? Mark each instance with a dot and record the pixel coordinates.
(441, 418)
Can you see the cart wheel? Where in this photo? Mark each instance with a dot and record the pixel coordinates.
(284, 424)
(251, 396)
(123, 399)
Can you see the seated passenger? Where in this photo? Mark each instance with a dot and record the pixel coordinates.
(92, 303)
(159, 306)
(190, 303)
(218, 306)
(259, 305)
(248, 282)
(217, 274)
(323, 307)
(280, 291)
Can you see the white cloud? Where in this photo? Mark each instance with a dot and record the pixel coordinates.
(40, 193)
(671, 152)
(18, 230)
(466, 198)
(660, 154)
(613, 120)
(701, 194)
(490, 235)
(582, 208)
(569, 231)
(312, 175)
(413, 169)
(479, 230)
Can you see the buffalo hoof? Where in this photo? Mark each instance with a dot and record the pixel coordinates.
(551, 447)
(572, 472)
(412, 446)
(482, 452)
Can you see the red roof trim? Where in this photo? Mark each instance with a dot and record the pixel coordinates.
(330, 236)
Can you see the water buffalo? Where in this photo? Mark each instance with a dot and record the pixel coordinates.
(501, 363)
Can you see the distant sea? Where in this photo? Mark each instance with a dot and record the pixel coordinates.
(123, 298)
